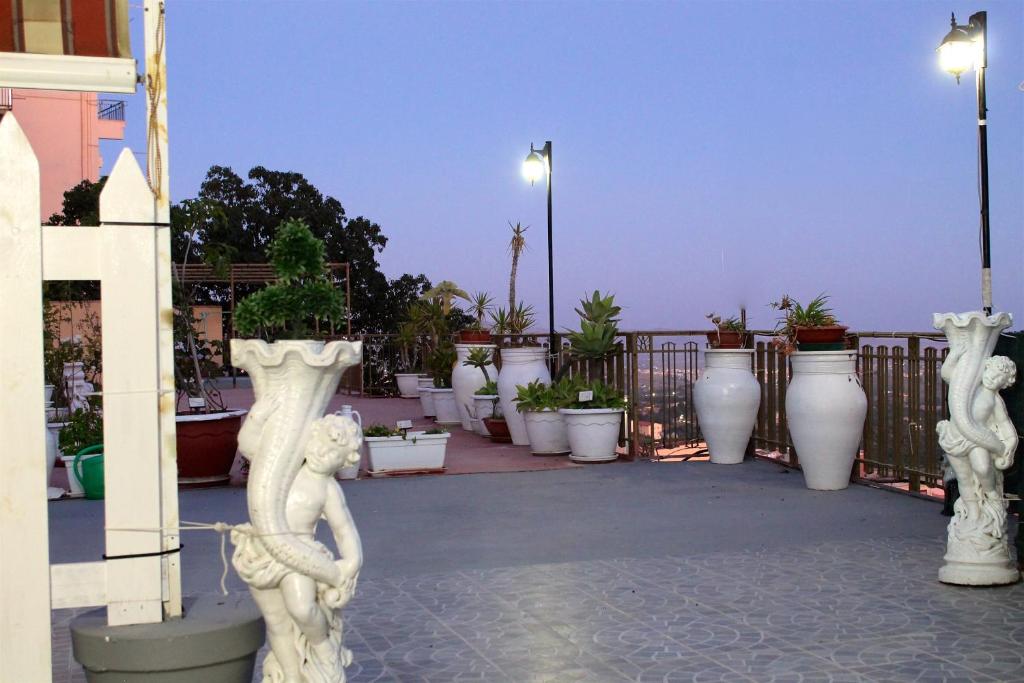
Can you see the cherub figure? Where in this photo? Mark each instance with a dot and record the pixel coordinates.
(980, 513)
(301, 613)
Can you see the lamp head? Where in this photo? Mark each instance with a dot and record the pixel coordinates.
(958, 50)
(533, 166)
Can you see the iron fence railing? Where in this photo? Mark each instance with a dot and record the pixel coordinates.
(110, 110)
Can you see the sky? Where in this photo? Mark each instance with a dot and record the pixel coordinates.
(706, 155)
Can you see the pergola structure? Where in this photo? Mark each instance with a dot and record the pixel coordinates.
(253, 273)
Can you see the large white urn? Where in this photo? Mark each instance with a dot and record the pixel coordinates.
(825, 408)
(727, 397)
(519, 365)
(467, 379)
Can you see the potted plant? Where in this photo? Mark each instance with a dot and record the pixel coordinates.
(593, 412)
(442, 362)
(83, 428)
(522, 361)
(729, 333)
(807, 328)
(477, 332)
(472, 370)
(407, 380)
(825, 403)
(726, 395)
(545, 426)
(484, 400)
(496, 425)
(391, 451)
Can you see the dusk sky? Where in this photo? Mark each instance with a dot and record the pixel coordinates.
(706, 155)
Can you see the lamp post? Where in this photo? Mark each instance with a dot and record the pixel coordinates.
(537, 165)
(963, 47)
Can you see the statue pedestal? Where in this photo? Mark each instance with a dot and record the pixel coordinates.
(969, 573)
(216, 640)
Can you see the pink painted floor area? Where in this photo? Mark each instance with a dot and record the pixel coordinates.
(467, 453)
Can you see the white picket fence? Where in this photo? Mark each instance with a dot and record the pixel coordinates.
(124, 253)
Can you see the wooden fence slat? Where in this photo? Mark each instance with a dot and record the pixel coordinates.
(24, 533)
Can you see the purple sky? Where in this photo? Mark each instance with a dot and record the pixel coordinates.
(706, 155)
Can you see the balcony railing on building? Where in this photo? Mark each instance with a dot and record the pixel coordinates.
(110, 110)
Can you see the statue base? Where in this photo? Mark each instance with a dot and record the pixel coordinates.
(960, 573)
(216, 640)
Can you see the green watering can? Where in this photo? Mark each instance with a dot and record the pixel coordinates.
(88, 467)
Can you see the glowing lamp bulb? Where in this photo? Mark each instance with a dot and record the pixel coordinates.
(533, 167)
(957, 53)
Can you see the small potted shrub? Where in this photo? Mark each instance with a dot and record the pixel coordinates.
(391, 451)
(406, 378)
(477, 332)
(472, 371)
(442, 362)
(545, 426)
(729, 333)
(807, 328)
(496, 425)
(484, 399)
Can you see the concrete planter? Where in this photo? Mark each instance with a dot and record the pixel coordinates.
(593, 433)
(547, 432)
(727, 397)
(483, 407)
(424, 386)
(418, 451)
(825, 408)
(206, 447)
(408, 385)
(445, 409)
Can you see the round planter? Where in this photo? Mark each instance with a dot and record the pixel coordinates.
(206, 447)
(474, 337)
(444, 404)
(593, 433)
(727, 397)
(75, 488)
(825, 408)
(497, 429)
(52, 453)
(519, 365)
(424, 385)
(727, 339)
(547, 432)
(408, 384)
(483, 407)
(832, 338)
(467, 379)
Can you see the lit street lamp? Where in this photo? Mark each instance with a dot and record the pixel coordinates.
(962, 48)
(535, 167)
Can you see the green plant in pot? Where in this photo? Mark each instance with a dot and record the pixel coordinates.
(477, 333)
(545, 426)
(729, 333)
(813, 327)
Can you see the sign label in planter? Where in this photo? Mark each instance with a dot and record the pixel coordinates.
(404, 424)
(586, 396)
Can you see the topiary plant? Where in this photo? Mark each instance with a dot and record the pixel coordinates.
(303, 303)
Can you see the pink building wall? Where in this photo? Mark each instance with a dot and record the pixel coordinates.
(65, 130)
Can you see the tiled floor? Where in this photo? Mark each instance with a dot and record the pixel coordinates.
(841, 611)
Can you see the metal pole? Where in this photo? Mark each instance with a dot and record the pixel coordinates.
(979, 23)
(551, 267)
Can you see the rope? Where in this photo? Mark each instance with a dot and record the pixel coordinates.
(154, 90)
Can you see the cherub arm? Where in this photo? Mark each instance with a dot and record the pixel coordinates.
(1007, 433)
(346, 536)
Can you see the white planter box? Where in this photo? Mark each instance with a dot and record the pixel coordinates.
(547, 432)
(418, 451)
(593, 433)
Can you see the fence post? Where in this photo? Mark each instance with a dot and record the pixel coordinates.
(24, 534)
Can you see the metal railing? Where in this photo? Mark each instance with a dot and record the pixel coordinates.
(6, 100)
(110, 110)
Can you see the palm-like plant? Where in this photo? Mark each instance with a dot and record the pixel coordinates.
(599, 309)
(446, 292)
(521, 319)
(479, 305)
(516, 246)
(479, 358)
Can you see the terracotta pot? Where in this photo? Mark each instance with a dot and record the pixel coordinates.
(834, 334)
(727, 339)
(474, 337)
(206, 447)
(498, 429)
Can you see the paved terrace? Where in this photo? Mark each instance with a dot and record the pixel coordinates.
(631, 572)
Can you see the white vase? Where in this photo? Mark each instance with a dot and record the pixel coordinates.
(483, 407)
(467, 379)
(593, 433)
(408, 384)
(520, 365)
(47, 393)
(444, 404)
(727, 397)
(547, 432)
(76, 490)
(418, 451)
(424, 386)
(825, 409)
(52, 453)
(350, 471)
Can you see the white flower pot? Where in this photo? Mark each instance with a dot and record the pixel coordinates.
(447, 412)
(467, 379)
(548, 435)
(483, 406)
(47, 393)
(520, 365)
(425, 384)
(77, 490)
(825, 408)
(408, 385)
(52, 453)
(418, 451)
(593, 433)
(727, 397)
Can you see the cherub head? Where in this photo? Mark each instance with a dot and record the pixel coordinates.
(1000, 372)
(334, 442)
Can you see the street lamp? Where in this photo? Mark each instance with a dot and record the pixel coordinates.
(536, 165)
(962, 48)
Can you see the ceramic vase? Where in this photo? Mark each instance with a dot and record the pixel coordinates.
(467, 379)
(519, 365)
(727, 398)
(825, 408)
